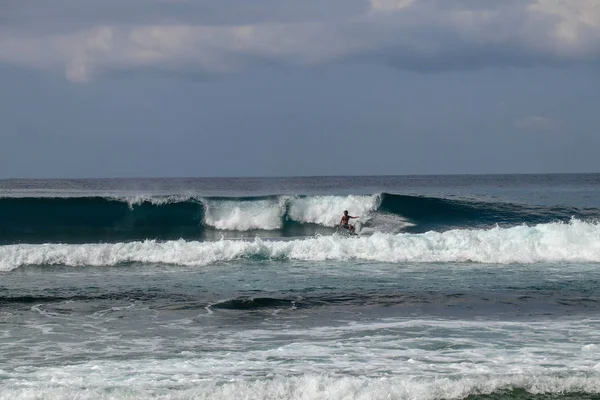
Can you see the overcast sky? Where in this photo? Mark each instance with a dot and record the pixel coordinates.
(156, 88)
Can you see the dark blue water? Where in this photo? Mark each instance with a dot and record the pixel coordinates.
(479, 287)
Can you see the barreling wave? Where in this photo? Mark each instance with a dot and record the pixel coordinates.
(111, 219)
(575, 241)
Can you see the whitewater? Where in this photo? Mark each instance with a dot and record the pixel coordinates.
(575, 241)
(456, 287)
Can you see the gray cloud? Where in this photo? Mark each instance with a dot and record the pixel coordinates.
(86, 39)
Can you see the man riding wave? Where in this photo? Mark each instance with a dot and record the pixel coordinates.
(345, 221)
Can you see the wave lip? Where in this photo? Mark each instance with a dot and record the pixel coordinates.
(576, 241)
(327, 210)
(239, 215)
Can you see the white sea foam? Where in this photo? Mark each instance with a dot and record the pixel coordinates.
(89, 381)
(576, 241)
(327, 210)
(244, 215)
(268, 214)
(385, 223)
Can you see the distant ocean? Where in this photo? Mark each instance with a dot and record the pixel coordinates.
(456, 287)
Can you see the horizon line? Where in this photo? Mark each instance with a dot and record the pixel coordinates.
(303, 176)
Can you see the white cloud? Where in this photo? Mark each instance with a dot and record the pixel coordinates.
(574, 25)
(416, 34)
(572, 14)
(539, 124)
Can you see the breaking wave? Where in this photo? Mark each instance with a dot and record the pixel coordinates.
(101, 381)
(575, 241)
(110, 219)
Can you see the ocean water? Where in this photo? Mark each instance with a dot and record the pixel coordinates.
(456, 287)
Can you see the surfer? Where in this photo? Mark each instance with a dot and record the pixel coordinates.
(345, 221)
